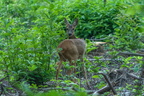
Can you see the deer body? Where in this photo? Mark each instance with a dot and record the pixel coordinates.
(72, 49)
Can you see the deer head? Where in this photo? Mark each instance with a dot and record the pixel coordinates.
(70, 28)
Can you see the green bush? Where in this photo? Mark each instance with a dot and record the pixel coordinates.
(129, 32)
(29, 37)
(96, 21)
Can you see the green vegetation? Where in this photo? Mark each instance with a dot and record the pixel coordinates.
(30, 31)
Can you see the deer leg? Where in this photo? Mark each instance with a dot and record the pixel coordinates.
(71, 70)
(58, 69)
(85, 73)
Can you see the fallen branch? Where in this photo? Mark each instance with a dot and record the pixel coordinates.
(3, 78)
(98, 39)
(133, 76)
(105, 59)
(142, 50)
(102, 90)
(47, 89)
(130, 54)
(109, 83)
(106, 88)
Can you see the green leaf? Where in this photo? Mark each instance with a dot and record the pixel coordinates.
(95, 76)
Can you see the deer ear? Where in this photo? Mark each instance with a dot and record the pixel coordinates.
(66, 22)
(75, 22)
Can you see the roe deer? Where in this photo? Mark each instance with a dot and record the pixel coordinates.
(72, 49)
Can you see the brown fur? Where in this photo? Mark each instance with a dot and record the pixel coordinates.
(72, 50)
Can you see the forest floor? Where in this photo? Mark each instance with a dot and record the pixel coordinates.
(123, 80)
